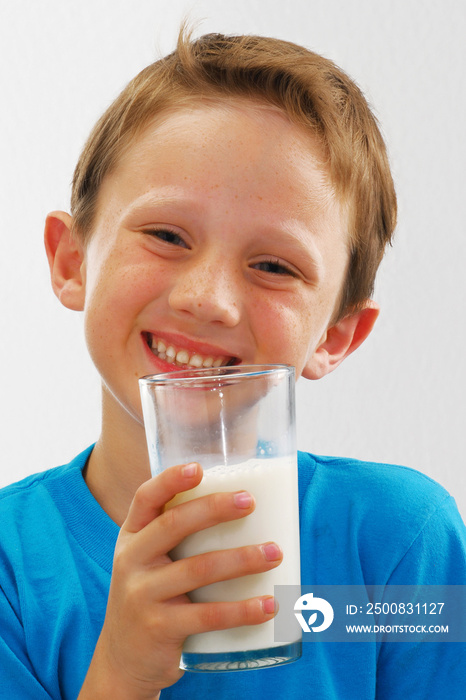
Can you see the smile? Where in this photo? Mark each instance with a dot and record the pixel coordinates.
(181, 357)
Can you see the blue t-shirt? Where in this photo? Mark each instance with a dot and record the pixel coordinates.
(361, 524)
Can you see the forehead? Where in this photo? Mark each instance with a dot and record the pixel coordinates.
(237, 141)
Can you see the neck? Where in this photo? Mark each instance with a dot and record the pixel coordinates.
(119, 463)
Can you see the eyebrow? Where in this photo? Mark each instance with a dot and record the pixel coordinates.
(148, 200)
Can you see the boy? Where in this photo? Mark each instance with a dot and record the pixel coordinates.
(232, 206)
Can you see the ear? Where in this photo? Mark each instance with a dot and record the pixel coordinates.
(340, 340)
(66, 256)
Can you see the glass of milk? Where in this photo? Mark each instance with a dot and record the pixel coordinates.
(238, 422)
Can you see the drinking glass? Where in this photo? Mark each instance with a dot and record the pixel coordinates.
(238, 422)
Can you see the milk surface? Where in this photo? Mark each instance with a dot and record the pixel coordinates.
(273, 483)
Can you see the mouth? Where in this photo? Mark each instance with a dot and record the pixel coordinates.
(183, 357)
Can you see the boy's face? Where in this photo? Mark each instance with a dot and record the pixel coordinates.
(218, 239)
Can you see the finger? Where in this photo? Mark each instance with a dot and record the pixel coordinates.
(206, 617)
(165, 532)
(151, 497)
(186, 575)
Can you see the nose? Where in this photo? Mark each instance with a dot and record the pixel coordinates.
(208, 292)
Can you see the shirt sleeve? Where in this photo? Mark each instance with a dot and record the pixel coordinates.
(428, 670)
(17, 677)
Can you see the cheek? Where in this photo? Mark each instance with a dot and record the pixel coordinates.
(109, 300)
(120, 282)
(290, 330)
(103, 300)
(285, 332)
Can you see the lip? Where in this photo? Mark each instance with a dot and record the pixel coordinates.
(192, 346)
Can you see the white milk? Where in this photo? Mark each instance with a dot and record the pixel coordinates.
(274, 485)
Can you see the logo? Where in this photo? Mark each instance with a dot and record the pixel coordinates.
(307, 603)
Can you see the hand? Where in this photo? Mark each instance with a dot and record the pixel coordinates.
(149, 614)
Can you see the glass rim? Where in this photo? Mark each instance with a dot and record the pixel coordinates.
(207, 375)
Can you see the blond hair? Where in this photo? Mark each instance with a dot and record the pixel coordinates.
(310, 89)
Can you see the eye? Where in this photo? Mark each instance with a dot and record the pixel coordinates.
(274, 267)
(167, 236)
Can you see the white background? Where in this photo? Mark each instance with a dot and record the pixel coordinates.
(400, 398)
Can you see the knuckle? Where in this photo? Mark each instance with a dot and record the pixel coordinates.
(156, 621)
(135, 591)
(215, 503)
(142, 495)
(201, 570)
(121, 559)
(245, 610)
(171, 520)
(214, 618)
(251, 611)
(247, 558)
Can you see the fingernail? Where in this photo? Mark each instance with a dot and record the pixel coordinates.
(269, 605)
(271, 551)
(189, 469)
(242, 499)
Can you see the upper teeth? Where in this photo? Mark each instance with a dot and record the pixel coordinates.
(184, 357)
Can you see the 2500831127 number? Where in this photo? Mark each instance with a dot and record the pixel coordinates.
(404, 608)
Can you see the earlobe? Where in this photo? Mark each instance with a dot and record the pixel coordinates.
(66, 257)
(341, 340)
